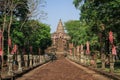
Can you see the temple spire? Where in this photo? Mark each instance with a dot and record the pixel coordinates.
(60, 27)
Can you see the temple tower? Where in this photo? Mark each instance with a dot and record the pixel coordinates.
(60, 39)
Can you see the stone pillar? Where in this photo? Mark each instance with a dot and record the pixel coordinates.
(30, 56)
(34, 60)
(43, 58)
(39, 59)
(71, 53)
(103, 60)
(87, 59)
(112, 60)
(26, 60)
(81, 56)
(10, 60)
(78, 54)
(74, 53)
(19, 63)
(82, 60)
(95, 59)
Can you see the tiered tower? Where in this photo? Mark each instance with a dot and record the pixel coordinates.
(60, 39)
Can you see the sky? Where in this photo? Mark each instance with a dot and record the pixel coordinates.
(60, 9)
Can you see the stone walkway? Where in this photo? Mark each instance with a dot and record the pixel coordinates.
(62, 69)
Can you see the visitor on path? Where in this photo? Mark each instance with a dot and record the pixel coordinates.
(53, 57)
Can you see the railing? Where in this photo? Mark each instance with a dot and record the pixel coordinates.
(93, 64)
(21, 64)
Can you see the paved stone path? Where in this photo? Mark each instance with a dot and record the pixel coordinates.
(62, 69)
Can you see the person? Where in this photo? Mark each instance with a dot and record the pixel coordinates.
(53, 57)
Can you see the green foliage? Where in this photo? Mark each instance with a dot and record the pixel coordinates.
(33, 34)
(76, 3)
(97, 12)
(15, 15)
(37, 34)
(80, 33)
(17, 37)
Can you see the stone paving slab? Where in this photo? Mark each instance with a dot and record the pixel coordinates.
(93, 73)
(112, 76)
(62, 69)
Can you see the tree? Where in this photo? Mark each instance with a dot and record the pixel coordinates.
(97, 12)
(36, 8)
(35, 34)
(80, 32)
(14, 12)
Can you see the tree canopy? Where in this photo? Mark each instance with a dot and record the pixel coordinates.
(18, 23)
(80, 33)
(33, 34)
(97, 13)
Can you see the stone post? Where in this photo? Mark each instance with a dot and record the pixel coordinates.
(10, 60)
(34, 60)
(81, 57)
(26, 60)
(74, 53)
(78, 53)
(39, 59)
(112, 60)
(19, 63)
(103, 60)
(71, 53)
(95, 59)
(82, 60)
(87, 59)
(30, 56)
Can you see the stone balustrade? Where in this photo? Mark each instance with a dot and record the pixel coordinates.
(85, 59)
(23, 63)
(80, 57)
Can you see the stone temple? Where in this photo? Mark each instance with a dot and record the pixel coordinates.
(60, 39)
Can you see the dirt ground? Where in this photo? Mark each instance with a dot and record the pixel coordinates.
(62, 69)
